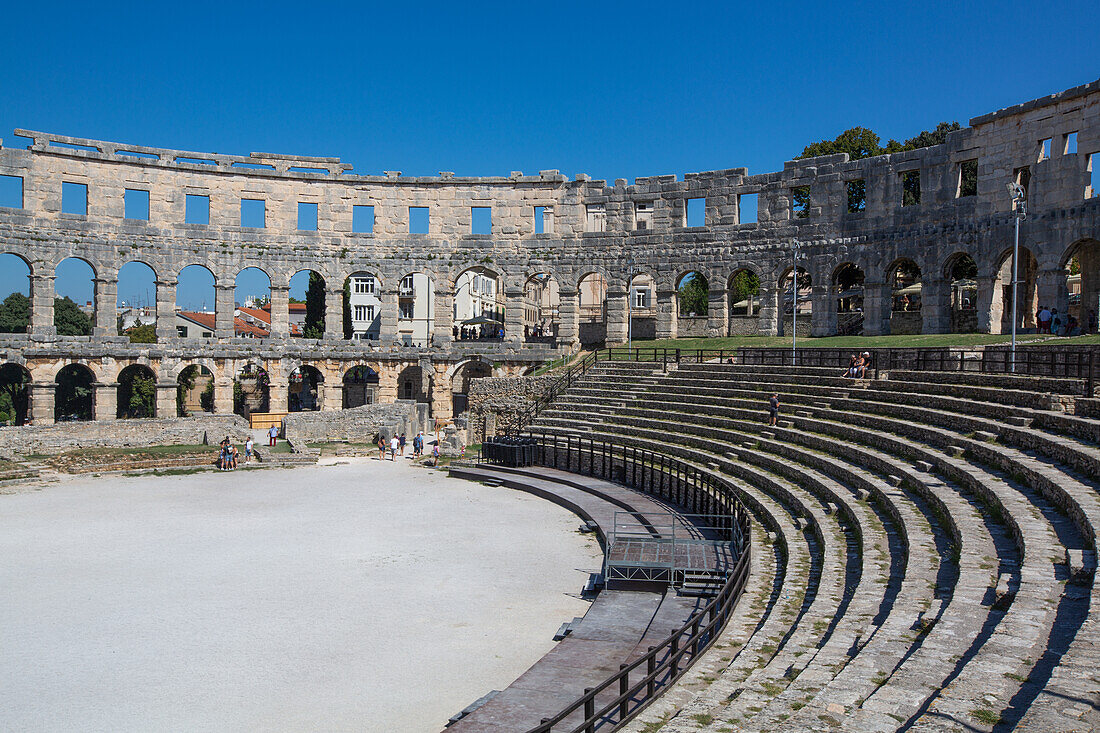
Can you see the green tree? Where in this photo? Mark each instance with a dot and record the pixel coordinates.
(69, 319)
(74, 393)
(206, 399)
(14, 383)
(143, 333)
(693, 295)
(137, 392)
(348, 330)
(15, 314)
(745, 285)
(857, 142)
(925, 139)
(315, 307)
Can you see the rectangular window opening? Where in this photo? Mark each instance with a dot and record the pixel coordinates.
(910, 188)
(11, 192)
(307, 217)
(195, 161)
(1044, 149)
(136, 154)
(540, 221)
(857, 195)
(481, 220)
(800, 202)
(643, 215)
(363, 285)
(1069, 143)
(136, 204)
(419, 220)
(362, 219)
(747, 212)
(1093, 167)
(595, 218)
(695, 213)
(253, 213)
(196, 209)
(74, 198)
(968, 178)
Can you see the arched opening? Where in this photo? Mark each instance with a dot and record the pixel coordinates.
(643, 306)
(306, 305)
(796, 300)
(460, 384)
(904, 280)
(194, 391)
(1079, 293)
(74, 297)
(15, 382)
(411, 386)
(252, 315)
(360, 386)
(195, 303)
(250, 391)
(306, 390)
(74, 397)
(137, 302)
(137, 392)
(961, 274)
(692, 304)
(415, 309)
(1027, 294)
(479, 305)
(15, 287)
(541, 304)
(362, 316)
(848, 298)
(592, 301)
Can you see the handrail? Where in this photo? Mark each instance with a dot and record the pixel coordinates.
(670, 479)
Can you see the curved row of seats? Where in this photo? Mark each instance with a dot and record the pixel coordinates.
(938, 543)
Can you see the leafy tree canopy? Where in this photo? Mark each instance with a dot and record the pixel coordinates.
(143, 333)
(693, 295)
(860, 142)
(15, 314)
(69, 319)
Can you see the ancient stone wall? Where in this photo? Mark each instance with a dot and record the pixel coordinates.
(497, 402)
(355, 425)
(46, 439)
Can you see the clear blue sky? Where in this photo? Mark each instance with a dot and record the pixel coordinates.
(615, 90)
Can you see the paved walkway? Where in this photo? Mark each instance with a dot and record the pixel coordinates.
(363, 596)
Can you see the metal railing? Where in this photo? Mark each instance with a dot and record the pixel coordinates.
(622, 695)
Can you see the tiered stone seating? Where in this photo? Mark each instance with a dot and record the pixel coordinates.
(936, 543)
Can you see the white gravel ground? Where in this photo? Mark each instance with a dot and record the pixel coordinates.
(371, 596)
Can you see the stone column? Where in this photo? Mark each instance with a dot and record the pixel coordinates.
(280, 311)
(387, 328)
(225, 305)
(166, 399)
(223, 395)
(935, 306)
(513, 314)
(105, 396)
(166, 310)
(616, 316)
(718, 313)
(106, 307)
(991, 304)
(278, 387)
(42, 295)
(334, 313)
(442, 401)
(768, 315)
(666, 313)
(569, 313)
(42, 402)
(387, 381)
(444, 318)
(823, 311)
(331, 393)
(877, 303)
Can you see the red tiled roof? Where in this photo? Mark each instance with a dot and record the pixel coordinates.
(257, 313)
(240, 327)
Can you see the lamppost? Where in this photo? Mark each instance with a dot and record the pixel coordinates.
(1019, 200)
(629, 303)
(794, 301)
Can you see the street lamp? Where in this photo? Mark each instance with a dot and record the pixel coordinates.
(794, 301)
(629, 303)
(1019, 199)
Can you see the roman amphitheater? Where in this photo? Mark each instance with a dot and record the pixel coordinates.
(914, 549)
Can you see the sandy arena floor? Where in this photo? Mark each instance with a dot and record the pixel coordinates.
(368, 597)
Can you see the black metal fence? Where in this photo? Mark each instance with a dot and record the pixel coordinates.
(622, 695)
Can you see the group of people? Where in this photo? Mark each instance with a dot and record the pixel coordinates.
(396, 446)
(1055, 323)
(229, 456)
(474, 333)
(858, 366)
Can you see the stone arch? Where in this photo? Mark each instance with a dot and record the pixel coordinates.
(415, 308)
(462, 374)
(74, 395)
(137, 392)
(77, 282)
(136, 296)
(196, 301)
(592, 289)
(360, 385)
(411, 384)
(541, 307)
(17, 313)
(795, 293)
(692, 298)
(252, 314)
(903, 280)
(362, 305)
(15, 394)
(306, 389)
(743, 285)
(478, 293)
(847, 282)
(960, 274)
(1074, 288)
(306, 304)
(194, 388)
(1027, 292)
(252, 389)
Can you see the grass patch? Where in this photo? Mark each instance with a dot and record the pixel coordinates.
(985, 715)
(139, 451)
(703, 718)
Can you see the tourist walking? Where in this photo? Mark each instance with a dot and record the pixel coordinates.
(773, 409)
(401, 443)
(435, 454)
(395, 443)
(381, 448)
(248, 446)
(273, 435)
